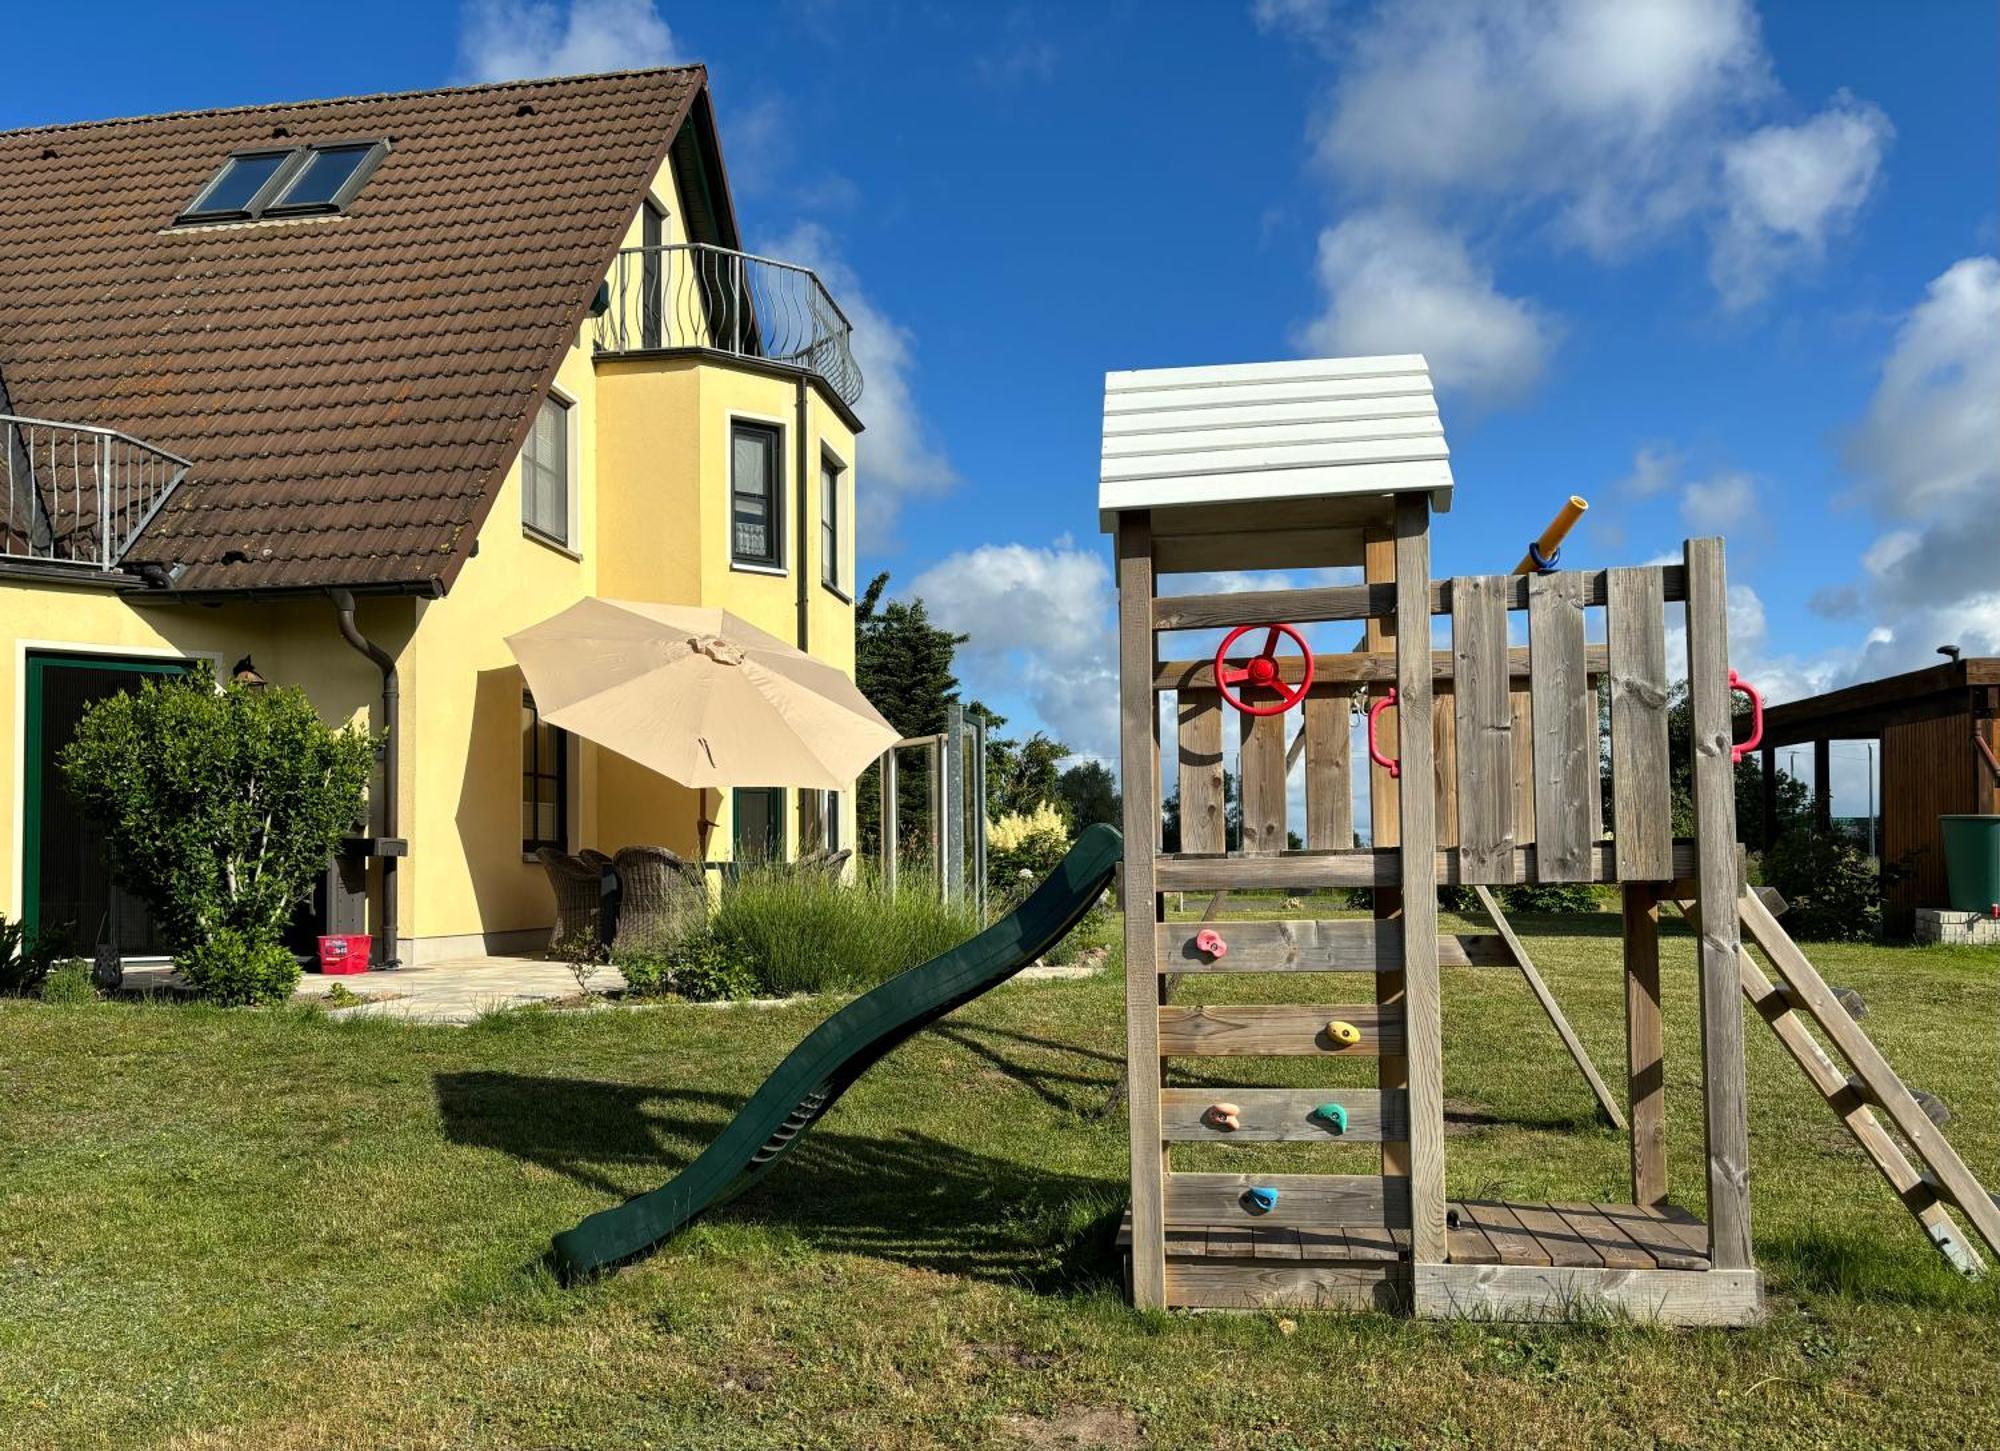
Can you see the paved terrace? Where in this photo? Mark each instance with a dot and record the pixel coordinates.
(461, 990)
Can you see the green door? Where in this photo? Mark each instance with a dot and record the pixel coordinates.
(65, 884)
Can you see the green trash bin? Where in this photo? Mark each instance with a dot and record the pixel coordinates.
(1972, 861)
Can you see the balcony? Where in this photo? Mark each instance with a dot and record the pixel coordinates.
(78, 495)
(694, 296)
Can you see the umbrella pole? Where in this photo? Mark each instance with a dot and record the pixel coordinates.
(705, 824)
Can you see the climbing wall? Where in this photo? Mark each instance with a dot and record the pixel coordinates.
(1512, 791)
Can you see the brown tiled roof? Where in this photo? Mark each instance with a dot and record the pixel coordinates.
(349, 390)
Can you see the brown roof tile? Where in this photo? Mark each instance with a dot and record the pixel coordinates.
(350, 390)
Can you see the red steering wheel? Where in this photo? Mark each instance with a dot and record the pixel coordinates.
(1262, 671)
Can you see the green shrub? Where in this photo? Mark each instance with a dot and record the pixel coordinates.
(1830, 884)
(702, 969)
(69, 984)
(1553, 897)
(26, 957)
(1021, 849)
(235, 969)
(219, 809)
(805, 933)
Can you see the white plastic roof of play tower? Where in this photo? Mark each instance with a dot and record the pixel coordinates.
(1247, 432)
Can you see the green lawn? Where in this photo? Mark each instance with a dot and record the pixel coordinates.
(271, 1230)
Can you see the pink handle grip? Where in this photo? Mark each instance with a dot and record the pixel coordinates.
(1208, 942)
(1394, 768)
(1737, 753)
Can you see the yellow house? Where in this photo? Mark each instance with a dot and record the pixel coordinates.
(350, 390)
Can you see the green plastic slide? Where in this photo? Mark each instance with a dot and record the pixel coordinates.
(838, 1051)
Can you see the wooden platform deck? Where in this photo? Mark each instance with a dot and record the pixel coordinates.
(1507, 1261)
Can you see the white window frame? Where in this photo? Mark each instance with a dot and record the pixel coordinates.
(572, 482)
(783, 495)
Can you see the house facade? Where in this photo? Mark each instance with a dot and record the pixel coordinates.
(344, 393)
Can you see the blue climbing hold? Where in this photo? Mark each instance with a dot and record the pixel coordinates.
(1260, 1200)
(1332, 1115)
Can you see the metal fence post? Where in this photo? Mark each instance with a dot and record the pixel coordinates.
(977, 825)
(889, 833)
(954, 803)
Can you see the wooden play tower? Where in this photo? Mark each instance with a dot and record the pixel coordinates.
(1340, 463)
(1495, 777)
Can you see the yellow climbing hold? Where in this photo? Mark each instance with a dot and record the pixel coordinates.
(1343, 1032)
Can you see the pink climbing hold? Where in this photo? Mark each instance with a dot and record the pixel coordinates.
(1208, 942)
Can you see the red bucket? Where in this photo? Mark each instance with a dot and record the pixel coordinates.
(344, 953)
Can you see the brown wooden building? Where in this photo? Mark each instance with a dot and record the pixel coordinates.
(1926, 722)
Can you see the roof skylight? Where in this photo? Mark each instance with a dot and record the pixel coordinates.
(287, 182)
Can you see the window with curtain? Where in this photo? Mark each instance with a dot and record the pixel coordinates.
(829, 522)
(759, 813)
(544, 781)
(545, 481)
(755, 511)
(819, 821)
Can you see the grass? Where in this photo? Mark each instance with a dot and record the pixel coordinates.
(271, 1229)
(806, 934)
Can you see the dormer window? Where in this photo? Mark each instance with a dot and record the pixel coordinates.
(285, 182)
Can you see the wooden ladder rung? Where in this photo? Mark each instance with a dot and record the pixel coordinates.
(1257, 1030)
(1328, 945)
(1285, 1115)
(1303, 1200)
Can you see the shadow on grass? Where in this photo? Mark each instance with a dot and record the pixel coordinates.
(1903, 1270)
(907, 1198)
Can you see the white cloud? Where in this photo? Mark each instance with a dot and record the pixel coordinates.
(1719, 504)
(899, 458)
(1787, 189)
(509, 40)
(1607, 110)
(1611, 127)
(1931, 436)
(1309, 20)
(1928, 453)
(1654, 468)
(1043, 630)
(1395, 284)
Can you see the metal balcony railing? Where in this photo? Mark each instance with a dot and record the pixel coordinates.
(691, 295)
(77, 494)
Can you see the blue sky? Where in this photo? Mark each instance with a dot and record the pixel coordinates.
(1720, 268)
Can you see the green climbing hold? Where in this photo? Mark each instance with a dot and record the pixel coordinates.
(1333, 1115)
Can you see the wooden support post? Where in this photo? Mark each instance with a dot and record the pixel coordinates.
(1724, 1093)
(1139, 745)
(1423, 1029)
(1577, 1052)
(1645, 1044)
(1391, 1074)
(1823, 784)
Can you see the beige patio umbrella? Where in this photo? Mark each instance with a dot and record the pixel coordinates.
(700, 695)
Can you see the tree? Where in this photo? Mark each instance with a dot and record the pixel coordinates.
(902, 662)
(219, 809)
(1794, 799)
(1020, 775)
(1090, 792)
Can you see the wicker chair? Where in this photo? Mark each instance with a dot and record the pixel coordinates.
(827, 864)
(579, 895)
(596, 860)
(661, 899)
